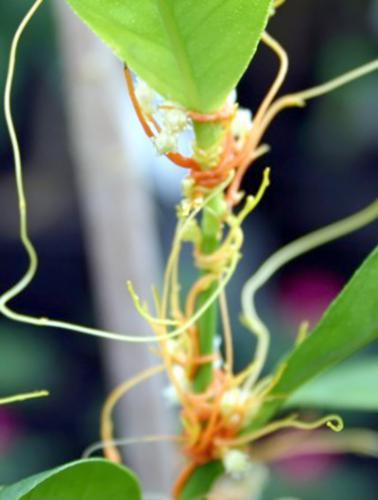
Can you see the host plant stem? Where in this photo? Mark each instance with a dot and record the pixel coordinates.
(208, 135)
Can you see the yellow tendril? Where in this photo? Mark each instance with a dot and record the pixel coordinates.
(334, 422)
(279, 447)
(142, 310)
(277, 48)
(202, 284)
(177, 241)
(227, 333)
(23, 397)
(282, 257)
(26, 241)
(300, 98)
(118, 442)
(110, 451)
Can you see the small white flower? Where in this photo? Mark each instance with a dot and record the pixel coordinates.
(187, 185)
(232, 98)
(249, 487)
(236, 463)
(174, 119)
(170, 395)
(217, 342)
(181, 379)
(146, 97)
(183, 209)
(218, 362)
(232, 399)
(192, 232)
(180, 376)
(241, 124)
(165, 142)
(198, 201)
(173, 346)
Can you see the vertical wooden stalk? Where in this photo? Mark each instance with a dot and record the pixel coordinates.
(120, 233)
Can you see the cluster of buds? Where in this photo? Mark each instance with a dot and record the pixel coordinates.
(172, 119)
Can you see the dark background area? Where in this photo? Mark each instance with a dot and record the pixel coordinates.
(323, 168)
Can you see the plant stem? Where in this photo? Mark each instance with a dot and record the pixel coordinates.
(208, 136)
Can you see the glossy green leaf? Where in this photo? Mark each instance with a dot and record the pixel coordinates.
(92, 479)
(201, 481)
(190, 51)
(349, 324)
(351, 386)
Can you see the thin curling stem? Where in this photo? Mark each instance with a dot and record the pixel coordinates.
(285, 255)
(23, 397)
(294, 444)
(24, 235)
(176, 246)
(340, 81)
(100, 445)
(17, 288)
(33, 260)
(110, 451)
(299, 99)
(334, 422)
(277, 48)
(227, 333)
(258, 128)
(45, 322)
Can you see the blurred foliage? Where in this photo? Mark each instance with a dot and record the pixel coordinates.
(80, 479)
(342, 481)
(34, 360)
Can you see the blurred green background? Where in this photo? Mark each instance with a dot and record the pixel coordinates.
(324, 167)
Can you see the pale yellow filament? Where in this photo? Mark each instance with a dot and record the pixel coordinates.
(199, 286)
(282, 257)
(299, 99)
(118, 442)
(334, 422)
(227, 333)
(277, 48)
(106, 415)
(23, 397)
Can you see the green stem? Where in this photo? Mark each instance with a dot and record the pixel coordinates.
(207, 136)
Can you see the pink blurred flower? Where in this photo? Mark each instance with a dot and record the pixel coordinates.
(10, 428)
(306, 295)
(307, 467)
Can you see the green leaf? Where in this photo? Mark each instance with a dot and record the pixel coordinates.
(190, 51)
(92, 479)
(201, 481)
(352, 386)
(349, 324)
